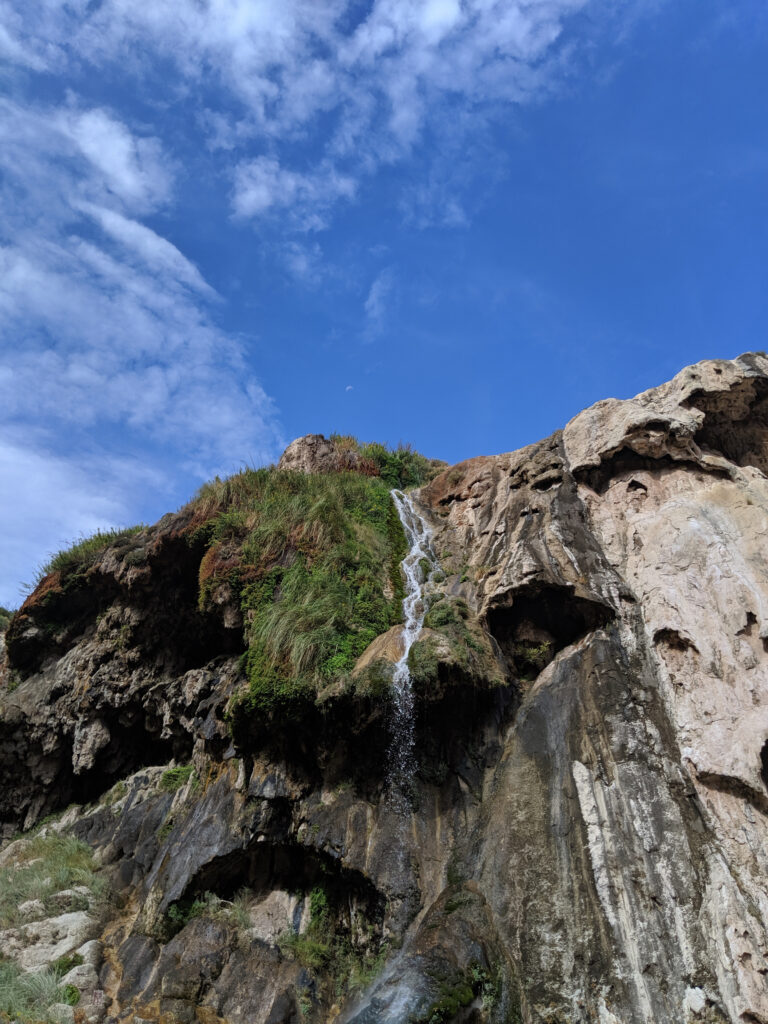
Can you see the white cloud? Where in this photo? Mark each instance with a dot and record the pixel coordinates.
(105, 333)
(262, 186)
(377, 303)
(134, 169)
(12, 50)
(357, 89)
(152, 249)
(54, 501)
(127, 352)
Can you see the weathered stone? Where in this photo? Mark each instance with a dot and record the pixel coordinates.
(47, 940)
(589, 822)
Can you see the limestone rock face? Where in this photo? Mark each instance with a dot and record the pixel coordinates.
(587, 835)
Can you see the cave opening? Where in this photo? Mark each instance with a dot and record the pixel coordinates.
(735, 422)
(265, 867)
(131, 747)
(764, 764)
(538, 622)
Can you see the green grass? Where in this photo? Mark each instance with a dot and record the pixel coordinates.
(48, 865)
(328, 952)
(315, 562)
(26, 996)
(174, 778)
(399, 467)
(85, 551)
(210, 905)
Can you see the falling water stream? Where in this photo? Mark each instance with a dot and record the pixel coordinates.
(402, 758)
(380, 1002)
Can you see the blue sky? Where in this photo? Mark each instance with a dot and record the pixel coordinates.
(226, 223)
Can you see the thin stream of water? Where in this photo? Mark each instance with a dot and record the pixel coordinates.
(402, 757)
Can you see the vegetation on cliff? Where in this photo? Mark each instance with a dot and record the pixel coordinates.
(310, 559)
(80, 556)
(314, 562)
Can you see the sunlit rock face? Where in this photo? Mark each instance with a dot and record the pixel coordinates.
(585, 837)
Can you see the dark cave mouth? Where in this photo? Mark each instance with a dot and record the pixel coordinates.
(764, 764)
(263, 867)
(131, 747)
(538, 622)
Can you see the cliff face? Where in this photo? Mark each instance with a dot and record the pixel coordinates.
(587, 833)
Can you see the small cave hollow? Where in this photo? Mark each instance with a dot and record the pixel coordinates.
(130, 748)
(764, 764)
(173, 630)
(352, 904)
(539, 622)
(674, 640)
(736, 423)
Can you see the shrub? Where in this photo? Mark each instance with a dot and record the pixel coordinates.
(5, 618)
(70, 995)
(326, 949)
(183, 911)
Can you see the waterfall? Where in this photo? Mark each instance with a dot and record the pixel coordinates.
(402, 758)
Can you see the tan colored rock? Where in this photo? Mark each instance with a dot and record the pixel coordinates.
(387, 647)
(314, 453)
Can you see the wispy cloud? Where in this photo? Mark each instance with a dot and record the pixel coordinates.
(107, 332)
(376, 305)
(263, 186)
(55, 500)
(154, 251)
(362, 87)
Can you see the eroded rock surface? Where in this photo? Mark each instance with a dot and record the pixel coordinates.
(588, 827)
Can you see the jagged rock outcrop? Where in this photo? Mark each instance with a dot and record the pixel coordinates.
(588, 831)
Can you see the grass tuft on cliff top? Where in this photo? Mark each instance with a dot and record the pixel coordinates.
(85, 551)
(314, 560)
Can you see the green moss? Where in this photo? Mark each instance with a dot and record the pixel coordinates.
(326, 950)
(181, 912)
(174, 778)
(115, 794)
(458, 993)
(166, 828)
(458, 642)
